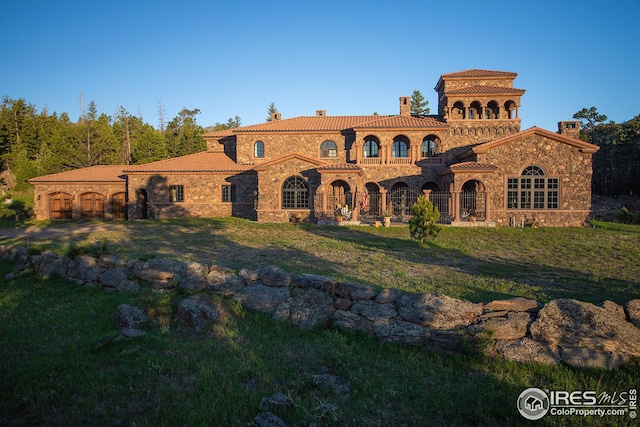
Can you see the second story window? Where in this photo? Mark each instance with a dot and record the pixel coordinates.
(258, 150)
(429, 147)
(399, 149)
(371, 148)
(176, 193)
(328, 149)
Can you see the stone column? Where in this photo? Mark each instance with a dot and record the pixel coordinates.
(383, 200)
(487, 206)
(456, 206)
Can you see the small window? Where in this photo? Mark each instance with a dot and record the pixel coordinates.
(176, 193)
(258, 149)
(328, 149)
(228, 193)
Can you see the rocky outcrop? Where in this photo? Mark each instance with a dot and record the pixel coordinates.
(585, 334)
(518, 329)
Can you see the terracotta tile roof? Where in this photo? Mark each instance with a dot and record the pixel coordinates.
(394, 122)
(472, 166)
(219, 134)
(480, 90)
(480, 73)
(89, 174)
(307, 123)
(205, 161)
(339, 167)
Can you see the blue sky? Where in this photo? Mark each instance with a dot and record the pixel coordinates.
(348, 57)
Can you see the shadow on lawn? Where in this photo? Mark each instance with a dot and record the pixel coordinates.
(550, 281)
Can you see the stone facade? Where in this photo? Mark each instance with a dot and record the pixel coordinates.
(467, 158)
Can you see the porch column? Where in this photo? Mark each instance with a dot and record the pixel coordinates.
(456, 206)
(355, 207)
(383, 200)
(487, 207)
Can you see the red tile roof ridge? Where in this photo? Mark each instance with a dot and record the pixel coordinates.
(475, 72)
(484, 89)
(106, 173)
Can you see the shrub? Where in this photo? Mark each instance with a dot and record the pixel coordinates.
(424, 224)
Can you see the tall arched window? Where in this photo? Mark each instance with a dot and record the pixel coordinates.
(295, 193)
(400, 148)
(533, 190)
(258, 149)
(429, 147)
(371, 147)
(328, 149)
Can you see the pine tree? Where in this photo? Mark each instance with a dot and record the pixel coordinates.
(271, 111)
(424, 224)
(419, 106)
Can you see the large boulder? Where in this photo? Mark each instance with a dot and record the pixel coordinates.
(373, 311)
(511, 326)
(195, 312)
(526, 350)
(586, 335)
(274, 276)
(130, 317)
(265, 299)
(223, 281)
(307, 310)
(192, 276)
(513, 304)
(400, 331)
(437, 311)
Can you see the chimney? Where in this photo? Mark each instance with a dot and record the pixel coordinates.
(321, 113)
(276, 116)
(569, 128)
(405, 106)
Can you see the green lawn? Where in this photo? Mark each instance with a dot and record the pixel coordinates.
(58, 365)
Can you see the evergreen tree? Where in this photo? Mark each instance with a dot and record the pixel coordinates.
(183, 135)
(271, 111)
(424, 223)
(419, 106)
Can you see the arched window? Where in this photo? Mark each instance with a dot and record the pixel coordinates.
(295, 193)
(400, 148)
(371, 147)
(533, 190)
(258, 149)
(492, 111)
(429, 147)
(328, 149)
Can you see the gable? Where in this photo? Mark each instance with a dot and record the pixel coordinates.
(578, 144)
(289, 158)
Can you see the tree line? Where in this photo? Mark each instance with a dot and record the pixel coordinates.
(34, 143)
(616, 166)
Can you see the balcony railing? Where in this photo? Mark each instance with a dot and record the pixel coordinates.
(430, 161)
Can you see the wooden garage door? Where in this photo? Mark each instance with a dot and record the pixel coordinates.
(118, 206)
(92, 205)
(60, 206)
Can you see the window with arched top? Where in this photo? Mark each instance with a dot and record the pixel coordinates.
(533, 189)
(258, 149)
(429, 146)
(328, 149)
(371, 147)
(400, 148)
(295, 193)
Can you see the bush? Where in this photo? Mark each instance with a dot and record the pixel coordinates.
(625, 216)
(424, 224)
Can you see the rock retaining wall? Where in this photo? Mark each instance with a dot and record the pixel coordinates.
(577, 333)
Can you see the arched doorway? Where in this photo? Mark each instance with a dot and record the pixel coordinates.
(472, 200)
(338, 196)
(402, 199)
(60, 206)
(371, 204)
